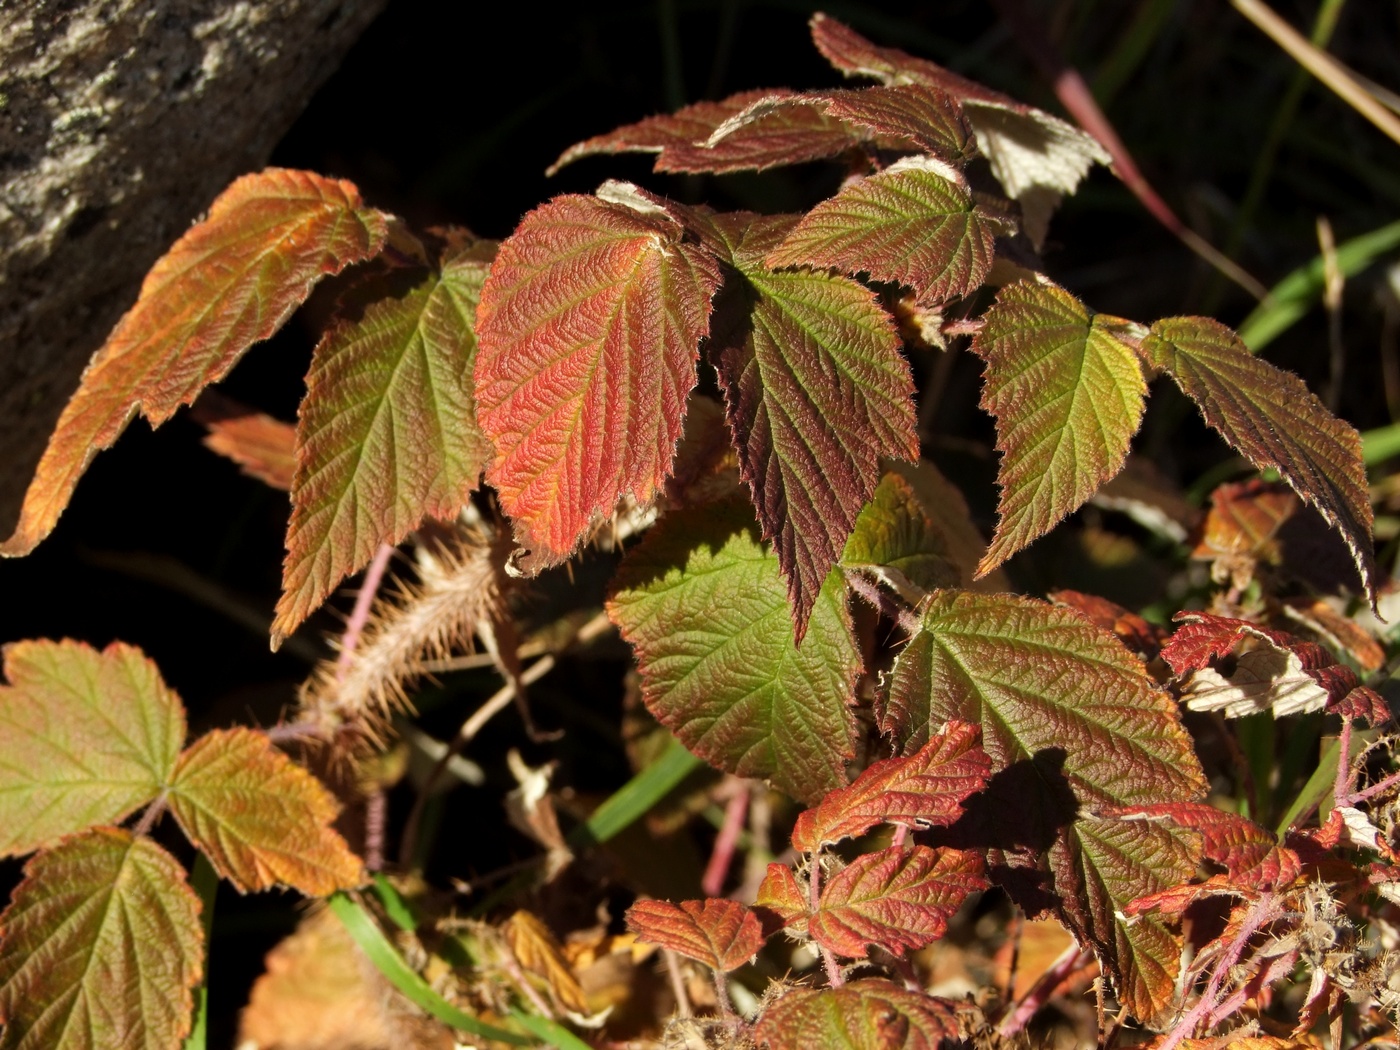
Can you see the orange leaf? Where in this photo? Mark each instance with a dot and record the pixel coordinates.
(719, 933)
(229, 282)
(263, 446)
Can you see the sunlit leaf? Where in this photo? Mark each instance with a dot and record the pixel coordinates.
(719, 933)
(1035, 156)
(1270, 416)
(895, 539)
(702, 602)
(1250, 854)
(927, 788)
(262, 820)
(910, 224)
(1132, 630)
(85, 738)
(928, 118)
(861, 1015)
(780, 894)
(898, 899)
(230, 281)
(387, 432)
(264, 447)
(538, 953)
(589, 329)
(1071, 722)
(102, 946)
(816, 391)
(1067, 395)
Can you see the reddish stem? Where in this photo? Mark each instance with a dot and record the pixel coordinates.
(359, 616)
(814, 893)
(1040, 993)
(735, 813)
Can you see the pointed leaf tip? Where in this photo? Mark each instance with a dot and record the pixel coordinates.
(589, 327)
(229, 282)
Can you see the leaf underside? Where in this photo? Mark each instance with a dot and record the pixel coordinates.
(387, 432)
(230, 281)
(102, 946)
(589, 328)
(262, 820)
(1071, 722)
(86, 737)
(909, 224)
(899, 899)
(262, 446)
(816, 391)
(1270, 417)
(702, 603)
(861, 1015)
(722, 934)
(1067, 395)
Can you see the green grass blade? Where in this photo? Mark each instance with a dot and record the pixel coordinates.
(1319, 785)
(204, 880)
(635, 797)
(549, 1032)
(1300, 291)
(1380, 444)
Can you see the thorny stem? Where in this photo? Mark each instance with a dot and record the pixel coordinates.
(872, 593)
(359, 616)
(1341, 787)
(1071, 959)
(726, 1006)
(376, 814)
(814, 893)
(735, 813)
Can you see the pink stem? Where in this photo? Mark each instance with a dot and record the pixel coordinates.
(1341, 787)
(359, 616)
(814, 894)
(1039, 994)
(735, 814)
(1376, 788)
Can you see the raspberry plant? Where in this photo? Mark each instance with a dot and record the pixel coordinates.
(807, 601)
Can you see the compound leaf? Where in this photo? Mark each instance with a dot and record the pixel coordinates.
(926, 788)
(720, 933)
(387, 432)
(910, 224)
(1067, 395)
(816, 391)
(895, 539)
(899, 899)
(589, 327)
(85, 738)
(102, 946)
(702, 602)
(1071, 723)
(230, 281)
(262, 820)
(1272, 418)
(861, 1015)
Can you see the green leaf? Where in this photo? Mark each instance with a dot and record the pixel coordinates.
(1071, 723)
(262, 820)
(702, 602)
(816, 391)
(911, 224)
(85, 738)
(230, 281)
(102, 946)
(862, 1015)
(899, 899)
(1067, 395)
(1272, 418)
(387, 433)
(896, 540)
(589, 327)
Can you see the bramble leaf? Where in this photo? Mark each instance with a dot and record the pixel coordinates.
(1250, 854)
(895, 539)
(929, 119)
(816, 391)
(945, 505)
(861, 1015)
(85, 738)
(720, 933)
(1071, 722)
(927, 788)
(263, 447)
(702, 602)
(1269, 416)
(387, 432)
(910, 224)
(780, 894)
(262, 820)
(1035, 156)
(899, 899)
(230, 281)
(102, 946)
(589, 327)
(1067, 395)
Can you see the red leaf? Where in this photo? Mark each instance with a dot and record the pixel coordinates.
(589, 328)
(780, 894)
(927, 117)
(1132, 630)
(927, 788)
(230, 281)
(897, 899)
(1250, 854)
(862, 1015)
(262, 446)
(719, 933)
(816, 391)
(1204, 637)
